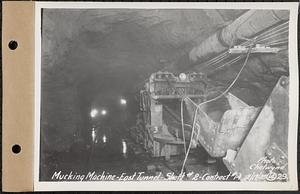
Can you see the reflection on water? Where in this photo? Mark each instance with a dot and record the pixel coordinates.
(93, 134)
(112, 152)
(124, 148)
(104, 138)
(108, 144)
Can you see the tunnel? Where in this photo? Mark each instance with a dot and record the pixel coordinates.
(95, 63)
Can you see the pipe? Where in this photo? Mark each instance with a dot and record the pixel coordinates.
(246, 26)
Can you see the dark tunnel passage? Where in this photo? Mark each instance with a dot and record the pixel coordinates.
(94, 64)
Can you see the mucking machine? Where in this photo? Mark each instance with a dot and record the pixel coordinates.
(161, 108)
(226, 128)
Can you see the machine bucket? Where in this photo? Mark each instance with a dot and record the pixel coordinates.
(222, 124)
(266, 144)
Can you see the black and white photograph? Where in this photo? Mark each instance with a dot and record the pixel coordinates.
(164, 94)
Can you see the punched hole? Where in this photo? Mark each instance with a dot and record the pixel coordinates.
(16, 149)
(13, 44)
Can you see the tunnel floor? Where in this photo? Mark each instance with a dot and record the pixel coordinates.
(107, 156)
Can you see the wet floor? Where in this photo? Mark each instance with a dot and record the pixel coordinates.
(107, 150)
(112, 152)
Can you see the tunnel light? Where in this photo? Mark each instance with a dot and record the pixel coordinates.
(182, 76)
(94, 113)
(123, 101)
(103, 112)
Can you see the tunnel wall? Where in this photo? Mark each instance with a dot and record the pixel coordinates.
(61, 117)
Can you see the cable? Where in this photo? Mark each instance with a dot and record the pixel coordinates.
(213, 99)
(272, 36)
(281, 41)
(272, 31)
(275, 28)
(190, 144)
(182, 125)
(216, 59)
(267, 35)
(234, 60)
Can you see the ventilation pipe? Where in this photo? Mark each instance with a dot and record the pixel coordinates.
(248, 25)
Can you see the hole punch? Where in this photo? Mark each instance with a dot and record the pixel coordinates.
(13, 44)
(16, 149)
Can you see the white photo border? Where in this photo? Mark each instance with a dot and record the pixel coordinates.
(292, 184)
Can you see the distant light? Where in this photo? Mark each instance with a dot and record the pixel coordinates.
(104, 138)
(124, 146)
(182, 76)
(94, 113)
(123, 101)
(103, 112)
